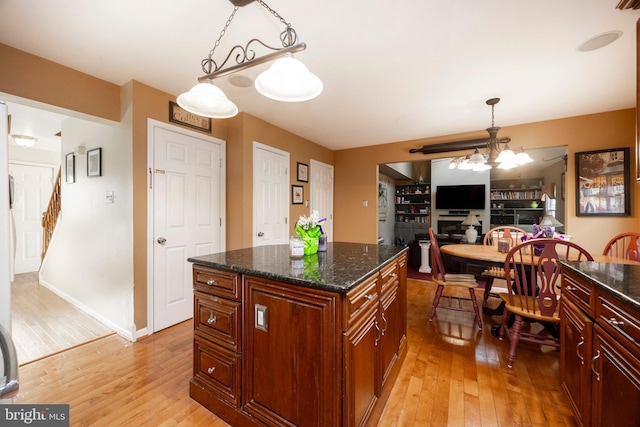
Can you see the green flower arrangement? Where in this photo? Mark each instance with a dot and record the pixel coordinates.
(310, 230)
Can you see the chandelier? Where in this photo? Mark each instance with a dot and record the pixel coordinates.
(494, 154)
(286, 80)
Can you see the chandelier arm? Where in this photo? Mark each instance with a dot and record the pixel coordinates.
(248, 63)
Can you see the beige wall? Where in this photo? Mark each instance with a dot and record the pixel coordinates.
(616, 129)
(355, 169)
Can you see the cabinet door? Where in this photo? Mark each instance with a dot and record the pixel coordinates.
(360, 371)
(616, 382)
(391, 333)
(291, 354)
(575, 356)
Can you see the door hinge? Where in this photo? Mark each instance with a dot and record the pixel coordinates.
(150, 179)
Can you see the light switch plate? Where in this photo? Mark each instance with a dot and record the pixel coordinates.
(261, 317)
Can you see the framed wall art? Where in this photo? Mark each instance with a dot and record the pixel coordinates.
(602, 183)
(94, 162)
(303, 172)
(297, 194)
(70, 168)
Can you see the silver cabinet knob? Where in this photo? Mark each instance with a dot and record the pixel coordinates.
(162, 240)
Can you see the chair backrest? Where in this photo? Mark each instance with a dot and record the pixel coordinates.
(504, 231)
(528, 274)
(437, 266)
(624, 245)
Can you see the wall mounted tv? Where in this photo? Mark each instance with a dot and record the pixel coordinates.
(460, 197)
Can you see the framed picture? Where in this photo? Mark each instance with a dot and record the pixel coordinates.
(297, 194)
(303, 172)
(182, 117)
(94, 162)
(602, 183)
(70, 168)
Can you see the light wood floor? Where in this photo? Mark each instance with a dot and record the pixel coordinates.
(44, 324)
(453, 375)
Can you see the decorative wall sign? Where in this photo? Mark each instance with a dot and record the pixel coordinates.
(181, 116)
(94, 162)
(602, 183)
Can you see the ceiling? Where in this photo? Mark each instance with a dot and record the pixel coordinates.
(392, 71)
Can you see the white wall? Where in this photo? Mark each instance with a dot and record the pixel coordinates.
(442, 175)
(90, 260)
(33, 155)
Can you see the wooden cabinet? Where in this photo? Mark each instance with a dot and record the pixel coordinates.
(283, 354)
(599, 354)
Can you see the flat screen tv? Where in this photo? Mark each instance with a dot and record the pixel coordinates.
(460, 197)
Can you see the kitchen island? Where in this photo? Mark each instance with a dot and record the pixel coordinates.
(600, 342)
(316, 341)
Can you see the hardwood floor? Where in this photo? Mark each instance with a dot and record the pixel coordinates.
(453, 375)
(44, 324)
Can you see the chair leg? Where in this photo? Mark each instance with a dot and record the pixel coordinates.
(487, 289)
(515, 338)
(503, 325)
(436, 301)
(474, 301)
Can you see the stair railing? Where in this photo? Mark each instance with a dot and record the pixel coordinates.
(50, 217)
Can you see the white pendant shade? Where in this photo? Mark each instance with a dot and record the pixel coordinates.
(522, 158)
(288, 80)
(205, 99)
(507, 155)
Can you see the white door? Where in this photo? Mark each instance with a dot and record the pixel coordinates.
(32, 188)
(270, 195)
(321, 189)
(188, 206)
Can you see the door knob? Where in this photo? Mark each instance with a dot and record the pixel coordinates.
(162, 240)
(260, 234)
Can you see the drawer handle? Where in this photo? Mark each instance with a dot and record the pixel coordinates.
(211, 282)
(394, 275)
(210, 370)
(615, 322)
(368, 297)
(570, 288)
(378, 334)
(581, 343)
(593, 360)
(212, 319)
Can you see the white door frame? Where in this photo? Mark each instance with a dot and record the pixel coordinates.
(329, 215)
(151, 125)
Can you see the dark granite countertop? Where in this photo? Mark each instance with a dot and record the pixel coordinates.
(622, 280)
(339, 269)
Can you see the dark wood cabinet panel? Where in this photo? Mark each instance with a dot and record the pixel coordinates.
(575, 358)
(616, 382)
(291, 355)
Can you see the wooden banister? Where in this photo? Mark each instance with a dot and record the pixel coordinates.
(50, 217)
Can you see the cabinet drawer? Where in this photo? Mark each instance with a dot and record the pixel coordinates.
(388, 277)
(218, 319)
(617, 318)
(359, 299)
(218, 368)
(216, 282)
(580, 294)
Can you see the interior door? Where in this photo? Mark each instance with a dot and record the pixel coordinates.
(270, 195)
(321, 189)
(32, 190)
(188, 206)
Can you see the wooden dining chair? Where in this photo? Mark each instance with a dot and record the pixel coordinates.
(533, 289)
(514, 234)
(624, 245)
(451, 280)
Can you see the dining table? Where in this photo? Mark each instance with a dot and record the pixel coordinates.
(491, 260)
